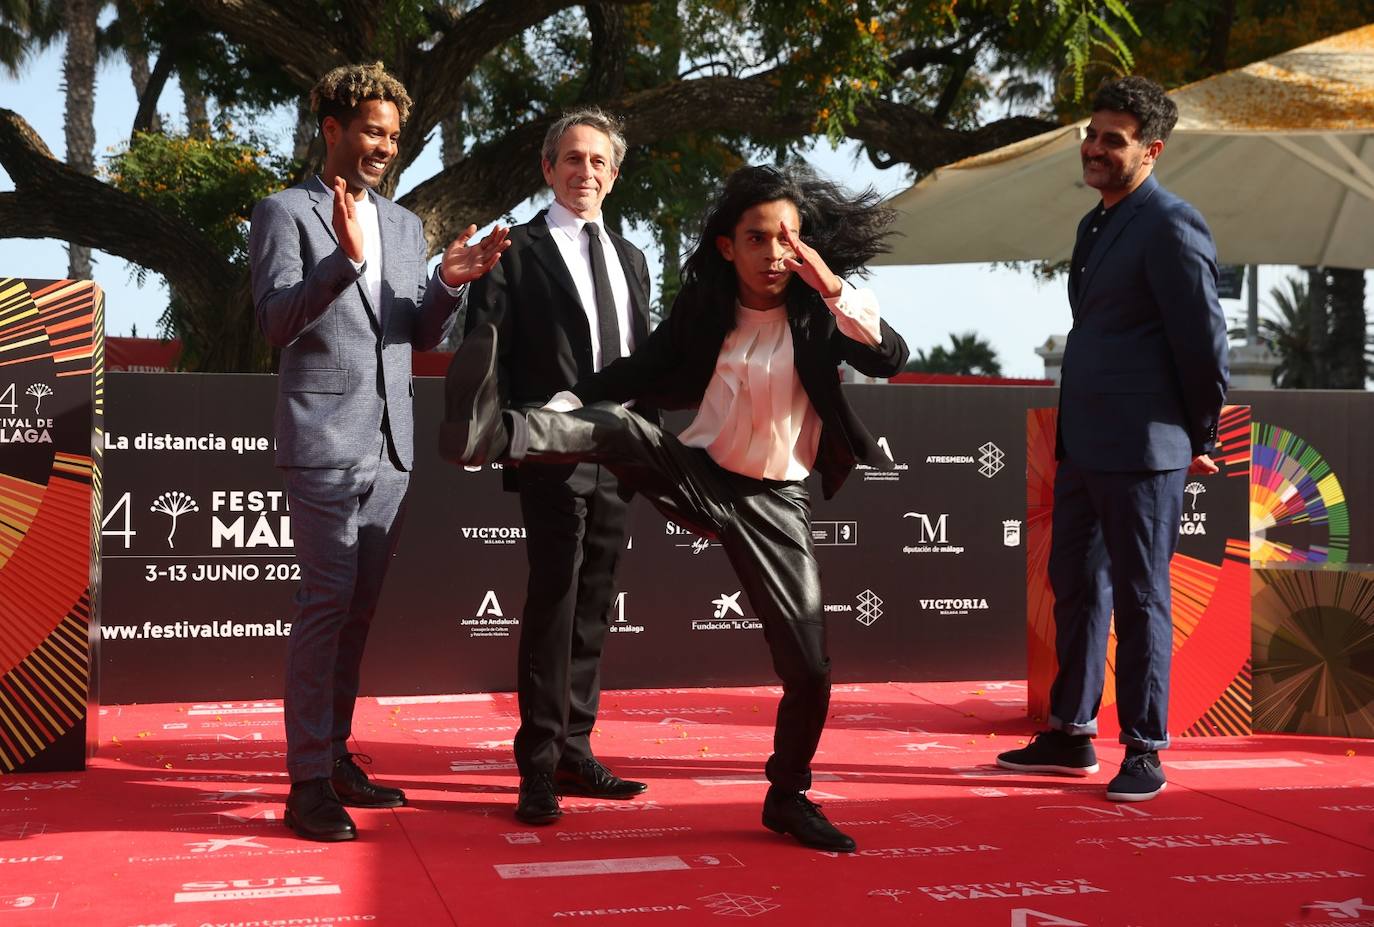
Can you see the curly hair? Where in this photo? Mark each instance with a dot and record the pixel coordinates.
(342, 90)
(593, 116)
(1142, 98)
(846, 230)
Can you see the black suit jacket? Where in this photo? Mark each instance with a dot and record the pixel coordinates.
(545, 343)
(673, 367)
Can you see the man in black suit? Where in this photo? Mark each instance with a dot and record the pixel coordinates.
(752, 343)
(1144, 377)
(569, 297)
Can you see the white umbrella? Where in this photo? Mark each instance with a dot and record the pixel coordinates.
(1278, 156)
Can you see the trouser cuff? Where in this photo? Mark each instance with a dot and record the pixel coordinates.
(1068, 727)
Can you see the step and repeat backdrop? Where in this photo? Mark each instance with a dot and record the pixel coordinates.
(924, 568)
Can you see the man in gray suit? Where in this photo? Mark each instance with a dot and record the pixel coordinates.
(340, 287)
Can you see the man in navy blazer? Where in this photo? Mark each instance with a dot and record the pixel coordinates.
(1144, 377)
(339, 285)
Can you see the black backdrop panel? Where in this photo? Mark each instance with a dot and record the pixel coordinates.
(923, 568)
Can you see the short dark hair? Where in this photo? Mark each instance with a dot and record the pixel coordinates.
(340, 92)
(1142, 98)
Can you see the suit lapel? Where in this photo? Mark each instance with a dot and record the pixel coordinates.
(1129, 207)
(639, 300)
(389, 221)
(546, 252)
(324, 209)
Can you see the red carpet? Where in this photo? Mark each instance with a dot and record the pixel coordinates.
(178, 823)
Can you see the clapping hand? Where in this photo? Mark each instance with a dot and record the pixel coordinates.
(463, 263)
(808, 264)
(345, 220)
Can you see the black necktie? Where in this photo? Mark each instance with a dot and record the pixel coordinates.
(607, 328)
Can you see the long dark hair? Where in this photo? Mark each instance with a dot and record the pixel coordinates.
(847, 230)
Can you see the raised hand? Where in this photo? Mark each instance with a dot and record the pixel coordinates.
(346, 226)
(807, 264)
(464, 263)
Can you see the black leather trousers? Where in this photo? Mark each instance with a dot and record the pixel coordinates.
(763, 525)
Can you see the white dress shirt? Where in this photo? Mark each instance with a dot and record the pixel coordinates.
(573, 247)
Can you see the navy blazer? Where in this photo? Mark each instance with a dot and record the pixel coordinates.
(672, 369)
(1145, 368)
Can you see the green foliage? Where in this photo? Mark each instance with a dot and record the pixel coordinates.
(967, 355)
(212, 183)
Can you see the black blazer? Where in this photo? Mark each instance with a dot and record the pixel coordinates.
(673, 367)
(1145, 368)
(545, 344)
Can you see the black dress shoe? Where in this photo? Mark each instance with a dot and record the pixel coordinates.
(473, 432)
(538, 803)
(592, 780)
(357, 791)
(313, 811)
(793, 813)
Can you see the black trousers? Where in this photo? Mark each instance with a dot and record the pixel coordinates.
(574, 533)
(764, 527)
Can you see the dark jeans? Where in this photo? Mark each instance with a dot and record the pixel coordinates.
(764, 527)
(1113, 537)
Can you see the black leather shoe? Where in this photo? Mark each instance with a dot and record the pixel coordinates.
(313, 811)
(793, 813)
(538, 802)
(473, 432)
(592, 780)
(357, 791)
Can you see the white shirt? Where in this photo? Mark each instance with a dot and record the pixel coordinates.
(573, 246)
(755, 418)
(366, 211)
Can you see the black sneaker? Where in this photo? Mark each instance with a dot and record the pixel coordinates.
(1053, 752)
(1141, 777)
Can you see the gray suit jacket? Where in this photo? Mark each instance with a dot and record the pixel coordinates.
(345, 363)
(1145, 368)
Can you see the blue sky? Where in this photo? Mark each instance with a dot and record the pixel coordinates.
(926, 304)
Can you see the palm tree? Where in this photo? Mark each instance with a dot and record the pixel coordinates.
(967, 355)
(26, 27)
(1287, 335)
(80, 23)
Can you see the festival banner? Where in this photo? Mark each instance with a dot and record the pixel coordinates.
(52, 395)
(1210, 684)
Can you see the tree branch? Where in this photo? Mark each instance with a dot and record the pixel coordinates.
(496, 177)
(53, 201)
(147, 101)
(291, 32)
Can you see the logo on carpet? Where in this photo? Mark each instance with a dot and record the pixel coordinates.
(730, 904)
(243, 889)
(1025, 888)
(1191, 841)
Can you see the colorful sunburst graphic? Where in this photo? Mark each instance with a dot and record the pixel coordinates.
(1297, 507)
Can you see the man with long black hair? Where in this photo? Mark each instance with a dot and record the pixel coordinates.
(752, 343)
